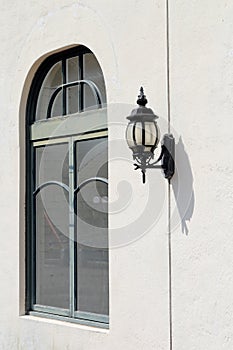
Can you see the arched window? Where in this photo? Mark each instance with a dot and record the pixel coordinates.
(67, 190)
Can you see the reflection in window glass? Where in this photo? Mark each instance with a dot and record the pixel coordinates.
(73, 99)
(92, 232)
(73, 74)
(52, 80)
(93, 72)
(72, 69)
(52, 248)
(52, 163)
(52, 226)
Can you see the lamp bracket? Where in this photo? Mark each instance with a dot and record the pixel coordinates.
(167, 157)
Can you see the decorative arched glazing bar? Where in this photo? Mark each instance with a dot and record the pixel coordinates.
(48, 183)
(85, 182)
(91, 84)
(65, 187)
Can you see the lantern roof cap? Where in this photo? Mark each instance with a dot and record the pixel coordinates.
(142, 113)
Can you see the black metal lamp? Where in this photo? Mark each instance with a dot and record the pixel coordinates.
(142, 136)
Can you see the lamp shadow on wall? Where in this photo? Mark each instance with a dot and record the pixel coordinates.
(182, 185)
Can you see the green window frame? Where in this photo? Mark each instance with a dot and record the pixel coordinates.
(68, 135)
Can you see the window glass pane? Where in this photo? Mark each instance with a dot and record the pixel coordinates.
(73, 92)
(57, 106)
(91, 158)
(52, 80)
(92, 232)
(52, 248)
(52, 163)
(93, 72)
(72, 65)
(52, 227)
(73, 99)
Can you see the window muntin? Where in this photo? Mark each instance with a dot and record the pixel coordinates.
(67, 270)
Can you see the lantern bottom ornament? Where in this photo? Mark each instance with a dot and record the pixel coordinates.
(167, 158)
(142, 135)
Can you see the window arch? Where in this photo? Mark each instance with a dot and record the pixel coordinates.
(67, 82)
(67, 190)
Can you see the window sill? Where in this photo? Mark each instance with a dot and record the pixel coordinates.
(68, 322)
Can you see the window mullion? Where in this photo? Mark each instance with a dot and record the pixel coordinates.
(81, 88)
(71, 228)
(64, 91)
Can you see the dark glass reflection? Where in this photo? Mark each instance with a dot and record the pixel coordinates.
(52, 163)
(94, 73)
(92, 227)
(52, 227)
(52, 80)
(52, 248)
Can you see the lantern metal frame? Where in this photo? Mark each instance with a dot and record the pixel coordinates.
(143, 158)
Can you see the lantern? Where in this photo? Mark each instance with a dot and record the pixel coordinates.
(142, 136)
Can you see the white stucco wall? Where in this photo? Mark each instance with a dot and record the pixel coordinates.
(129, 40)
(201, 99)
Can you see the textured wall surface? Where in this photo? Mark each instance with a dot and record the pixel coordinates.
(201, 100)
(129, 40)
(139, 316)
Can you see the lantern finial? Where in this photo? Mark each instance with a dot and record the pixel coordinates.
(142, 101)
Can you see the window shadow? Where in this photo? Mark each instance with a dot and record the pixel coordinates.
(182, 185)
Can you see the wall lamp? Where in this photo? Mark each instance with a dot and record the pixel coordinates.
(142, 136)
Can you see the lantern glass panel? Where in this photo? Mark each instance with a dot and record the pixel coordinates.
(138, 133)
(151, 134)
(129, 135)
